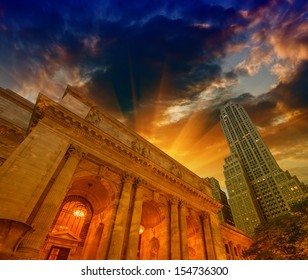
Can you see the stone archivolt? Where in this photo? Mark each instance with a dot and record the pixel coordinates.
(138, 194)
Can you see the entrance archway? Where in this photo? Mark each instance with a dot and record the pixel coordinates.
(69, 229)
(153, 231)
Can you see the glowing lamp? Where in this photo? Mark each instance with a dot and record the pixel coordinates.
(79, 213)
(141, 229)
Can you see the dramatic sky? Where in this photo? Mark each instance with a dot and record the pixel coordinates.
(164, 68)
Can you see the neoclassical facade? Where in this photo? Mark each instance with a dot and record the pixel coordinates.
(77, 184)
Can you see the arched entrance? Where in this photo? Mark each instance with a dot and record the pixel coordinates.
(194, 234)
(69, 229)
(82, 220)
(153, 234)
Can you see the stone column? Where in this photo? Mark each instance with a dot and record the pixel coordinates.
(217, 237)
(94, 237)
(174, 230)
(208, 237)
(30, 246)
(102, 253)
(239, 251)
(183, 231)
(133, 239)
(118, 233)
(231, 247)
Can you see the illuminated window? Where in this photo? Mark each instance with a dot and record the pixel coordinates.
(72, 217)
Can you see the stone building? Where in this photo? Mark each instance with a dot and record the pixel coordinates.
(77, 184)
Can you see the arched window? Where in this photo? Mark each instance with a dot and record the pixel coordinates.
(74, 216)
(69, 229)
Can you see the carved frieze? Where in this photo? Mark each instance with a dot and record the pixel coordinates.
(95, 117)
(176, 170)
(141, 148)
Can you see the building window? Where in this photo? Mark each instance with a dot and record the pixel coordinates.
(75, 216)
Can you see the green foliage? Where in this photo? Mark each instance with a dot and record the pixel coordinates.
(284, 237)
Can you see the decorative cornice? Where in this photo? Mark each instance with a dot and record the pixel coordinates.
(48, 109)
(11, 132)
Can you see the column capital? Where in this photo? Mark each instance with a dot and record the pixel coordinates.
(127, 178)
(75, 151)
(139, 182)
(205, 215)
(183, 203)
(172, 199)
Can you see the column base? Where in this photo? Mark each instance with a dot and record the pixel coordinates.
(26, 253)
(11, 234)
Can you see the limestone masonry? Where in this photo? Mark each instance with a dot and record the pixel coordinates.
(77, 184)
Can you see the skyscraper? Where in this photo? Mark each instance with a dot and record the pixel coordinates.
(257, 187)
(225, 213)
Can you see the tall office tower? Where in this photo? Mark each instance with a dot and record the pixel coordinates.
(258, 189)
(225, 213)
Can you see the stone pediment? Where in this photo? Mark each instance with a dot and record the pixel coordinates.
(68, 235)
